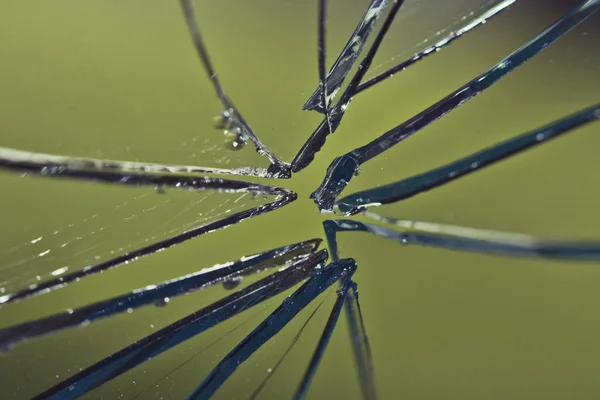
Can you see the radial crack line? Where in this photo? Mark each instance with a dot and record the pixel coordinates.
(13, 157)
(283, 198)
(321, 54)
(186, 328)
(499, 243)
(159, 294)
(446, 40)
(329, 125)
(319, 351)
(437, 177)
(97, 171)
(343, 168)
(293, 343)
(348, 56)
(273, 324)
(317, 139)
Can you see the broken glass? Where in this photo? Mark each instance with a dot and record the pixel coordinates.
(51, 256)
(85, 280)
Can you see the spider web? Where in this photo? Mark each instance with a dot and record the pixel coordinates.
(98, 222)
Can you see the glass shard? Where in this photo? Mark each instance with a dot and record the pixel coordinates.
(158, 294)
(440, 24)
(343, 64)
(230, 118)
(111, 225)
(469, 239)
(437, 306)
(343, 168)
(360, 344)
(273, 324)
(321, 54)
(317, 139)
(192, 325)
(315, 360)
(412, 186)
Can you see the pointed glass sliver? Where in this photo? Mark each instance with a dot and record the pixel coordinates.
(66, 230)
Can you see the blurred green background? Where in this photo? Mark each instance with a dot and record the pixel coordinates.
(120, 80)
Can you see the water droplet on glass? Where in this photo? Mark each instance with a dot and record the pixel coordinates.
(223, 121)
(162, 302)
(235, 140)
(232, 283)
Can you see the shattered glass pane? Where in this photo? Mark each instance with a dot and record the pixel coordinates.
(256, 310)
(164, 330)
(472, 325)
(489, 119)
(559, 207)
(439, 24)
(79, 225)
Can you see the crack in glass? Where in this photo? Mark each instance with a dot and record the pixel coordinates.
(302, 261)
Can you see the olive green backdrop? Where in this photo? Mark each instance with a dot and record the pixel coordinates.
(120, 80)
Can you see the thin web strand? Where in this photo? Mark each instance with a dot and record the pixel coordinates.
(446, 40)
(283, 198)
